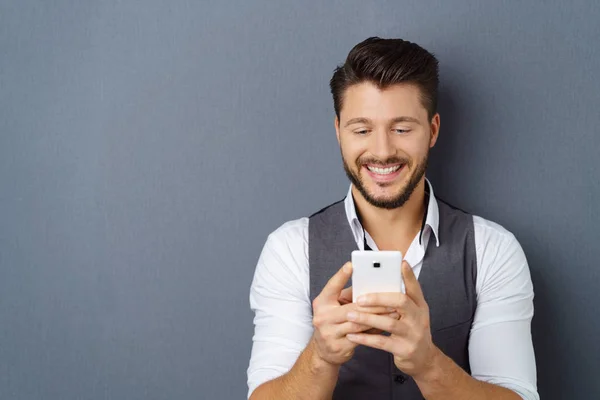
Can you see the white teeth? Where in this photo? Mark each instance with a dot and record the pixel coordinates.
(384, 171)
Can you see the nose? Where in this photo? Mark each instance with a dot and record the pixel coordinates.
(382, 146)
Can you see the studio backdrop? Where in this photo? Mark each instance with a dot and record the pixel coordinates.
(147, 149)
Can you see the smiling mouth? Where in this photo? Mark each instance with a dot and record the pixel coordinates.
(384, 170)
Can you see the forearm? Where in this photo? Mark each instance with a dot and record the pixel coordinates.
(309, 379)
(447, 381)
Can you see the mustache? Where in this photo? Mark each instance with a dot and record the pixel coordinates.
(388, 161)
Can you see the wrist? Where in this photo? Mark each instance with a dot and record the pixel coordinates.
(433, 369)
(442, 378)
(317, 364)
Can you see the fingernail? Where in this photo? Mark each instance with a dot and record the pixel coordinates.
(391, 309)
(347, 268)
(362, 300)
(352, 315)
(394, 315)
(352, 337)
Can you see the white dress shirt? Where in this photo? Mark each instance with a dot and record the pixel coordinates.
(500, 346)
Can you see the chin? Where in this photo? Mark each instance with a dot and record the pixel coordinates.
(384, 188)
(385, 193)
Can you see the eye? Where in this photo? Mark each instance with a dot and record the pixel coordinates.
(401, 131)
(362, 132)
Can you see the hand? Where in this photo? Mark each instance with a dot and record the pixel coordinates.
(410, 337)
(330, 310)
(346, 298)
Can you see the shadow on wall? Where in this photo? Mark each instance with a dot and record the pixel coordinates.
(444, 166)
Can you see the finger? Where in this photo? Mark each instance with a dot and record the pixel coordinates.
(393, 315)
(338, 315)
(334, 286)
(413, 288)
(381, 322)
(374, 309)
(367, 309)
(352, 327)
(345, 328)
(374, 331)
(385, 343)
(399, 302)
(346, 296)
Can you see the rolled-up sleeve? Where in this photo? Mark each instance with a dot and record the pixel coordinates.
(279, 297)
(500, 346)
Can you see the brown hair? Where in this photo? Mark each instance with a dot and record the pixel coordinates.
(385, 62)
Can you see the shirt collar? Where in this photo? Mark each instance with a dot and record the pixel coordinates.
(432, 221)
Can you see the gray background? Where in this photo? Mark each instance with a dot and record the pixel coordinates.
(147, 148)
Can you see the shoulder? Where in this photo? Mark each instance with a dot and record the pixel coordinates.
(486, 232)
(290, 230)
(490, 231)
(495, 244)
(288, 244)
(500, 258)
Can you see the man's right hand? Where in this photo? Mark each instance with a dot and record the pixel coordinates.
(315, 373)
(331, 323)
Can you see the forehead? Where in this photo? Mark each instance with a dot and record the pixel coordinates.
(366, 100)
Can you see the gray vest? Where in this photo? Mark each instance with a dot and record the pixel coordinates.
(448, 282)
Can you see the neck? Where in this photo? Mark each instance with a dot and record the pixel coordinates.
(396, 228)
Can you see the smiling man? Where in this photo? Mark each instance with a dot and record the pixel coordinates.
(463, 328)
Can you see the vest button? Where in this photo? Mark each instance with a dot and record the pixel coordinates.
(399, 379)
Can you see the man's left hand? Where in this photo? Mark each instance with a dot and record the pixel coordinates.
(410, 337)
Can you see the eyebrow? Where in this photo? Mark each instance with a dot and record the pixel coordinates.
(396, 120)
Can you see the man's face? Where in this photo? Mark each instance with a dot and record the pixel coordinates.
(385, 137)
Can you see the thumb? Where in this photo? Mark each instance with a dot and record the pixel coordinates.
(413, 288)
(345, 296)
(334, 286)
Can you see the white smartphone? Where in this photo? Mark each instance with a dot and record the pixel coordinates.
(376, 272)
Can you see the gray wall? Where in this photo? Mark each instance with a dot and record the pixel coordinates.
(147, 148)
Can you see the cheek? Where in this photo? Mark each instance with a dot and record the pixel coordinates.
(414, 149)
(352, 150)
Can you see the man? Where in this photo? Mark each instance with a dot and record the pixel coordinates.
(461, 331)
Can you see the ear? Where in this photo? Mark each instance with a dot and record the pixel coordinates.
(337, 128)
(435, 129)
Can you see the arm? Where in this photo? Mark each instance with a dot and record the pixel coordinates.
(290, 359)
(446, 380)
(500, 348)
(310, 378)
(500, 345)
(410, 342)
(279, 298)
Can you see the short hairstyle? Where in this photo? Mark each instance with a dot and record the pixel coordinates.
(386, 62)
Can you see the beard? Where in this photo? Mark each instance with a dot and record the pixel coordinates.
(396, 200)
